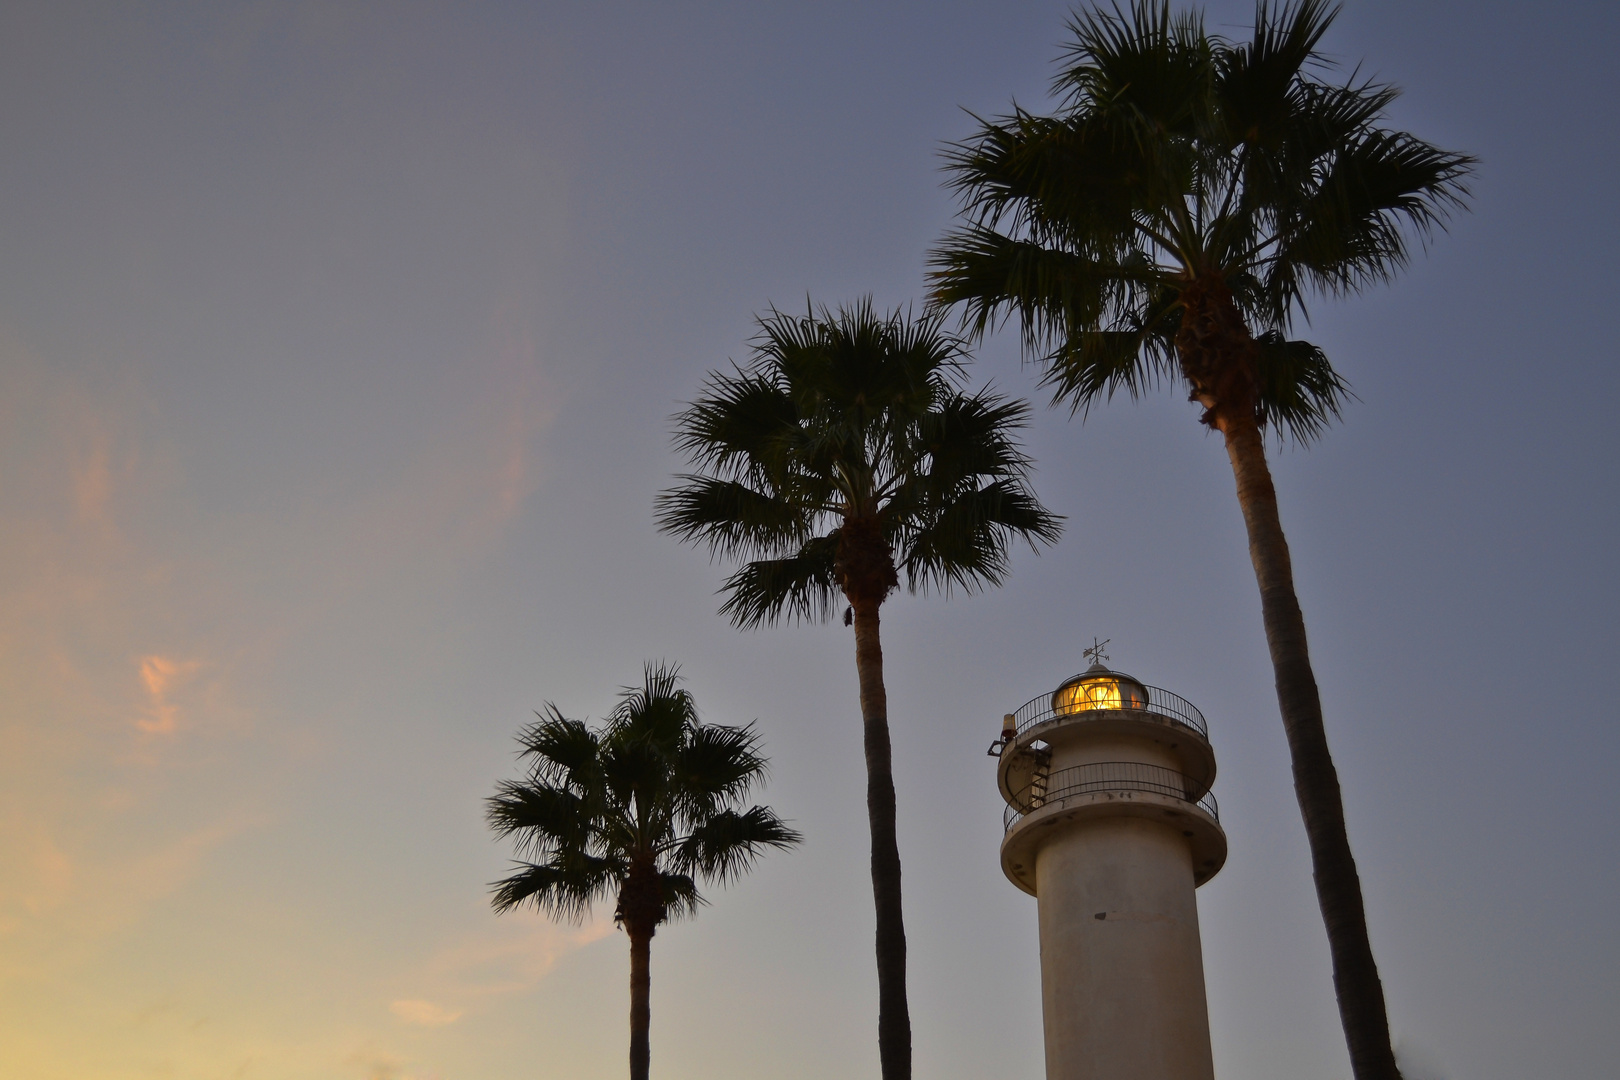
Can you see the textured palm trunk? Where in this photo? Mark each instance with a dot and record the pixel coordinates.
(640, 910)
(1218, 357)
(1316, 782)
(894, 1017)
(640, 1002)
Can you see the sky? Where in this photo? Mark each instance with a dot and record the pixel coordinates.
(339, 344)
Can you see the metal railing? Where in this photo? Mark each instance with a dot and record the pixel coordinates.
(1105, 776)
(1172, 707)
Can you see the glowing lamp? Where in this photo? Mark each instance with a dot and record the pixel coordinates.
(1098, 688)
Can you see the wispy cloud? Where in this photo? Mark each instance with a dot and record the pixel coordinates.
(46, 888)
(148, 641)
(424, 1013)
(162, 676)
(512, 955)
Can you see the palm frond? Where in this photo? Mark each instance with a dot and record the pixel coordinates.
(994, 276)
(716, 767)
(800, 587)
(680, 895)
(1148, 64)
(1134, 355)
(1256, 76)
(728, 843)
(855, 362)
(543, 817)
(1052, 178)
(966, 437)
(658, 711)
(559, 750)
(1353, 229)
(731, 517)
(564, 890)
(740, 427)
(1300, 393)
(966, 543)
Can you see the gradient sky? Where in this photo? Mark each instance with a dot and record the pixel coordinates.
(338, 346)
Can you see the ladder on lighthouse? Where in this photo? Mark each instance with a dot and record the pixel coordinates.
(1038, 781)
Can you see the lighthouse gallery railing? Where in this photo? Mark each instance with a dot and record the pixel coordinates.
(1171, 706)
(1105, 777)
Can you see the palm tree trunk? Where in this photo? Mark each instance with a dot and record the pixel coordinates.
(640, 1002)
(1316, 782)
(894, 1017)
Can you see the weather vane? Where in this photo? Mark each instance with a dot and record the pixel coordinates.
(1096, 653)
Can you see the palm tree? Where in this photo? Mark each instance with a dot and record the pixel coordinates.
(1171, 221)
(637, 811)
(842, 456)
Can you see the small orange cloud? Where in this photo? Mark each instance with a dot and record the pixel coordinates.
(424, 1013)
(510, 956)
(162, 676)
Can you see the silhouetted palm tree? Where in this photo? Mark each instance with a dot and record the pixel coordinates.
(843, 456)
(1170, 222)
(636, 811)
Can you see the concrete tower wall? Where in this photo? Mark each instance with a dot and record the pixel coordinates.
(1122, 968)
(1076, 746)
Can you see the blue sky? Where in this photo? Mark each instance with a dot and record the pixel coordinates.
(338, 347)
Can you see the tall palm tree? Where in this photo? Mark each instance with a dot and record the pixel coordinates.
(1171, 220)
(842, 456)
(637, 810)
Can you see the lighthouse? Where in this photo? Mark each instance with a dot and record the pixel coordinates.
(1111, 827)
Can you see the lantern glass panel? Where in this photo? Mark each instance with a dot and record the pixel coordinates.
(1096, 693)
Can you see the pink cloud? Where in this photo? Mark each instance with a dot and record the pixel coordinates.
(162, 676)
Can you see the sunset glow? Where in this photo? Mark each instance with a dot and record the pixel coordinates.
(339, 350)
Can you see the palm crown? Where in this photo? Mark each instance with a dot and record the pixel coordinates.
(1189, 179)
(637, 811)
(640, 810)
(845, 456)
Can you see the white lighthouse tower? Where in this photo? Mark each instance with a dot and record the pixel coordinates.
(1110, 825)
